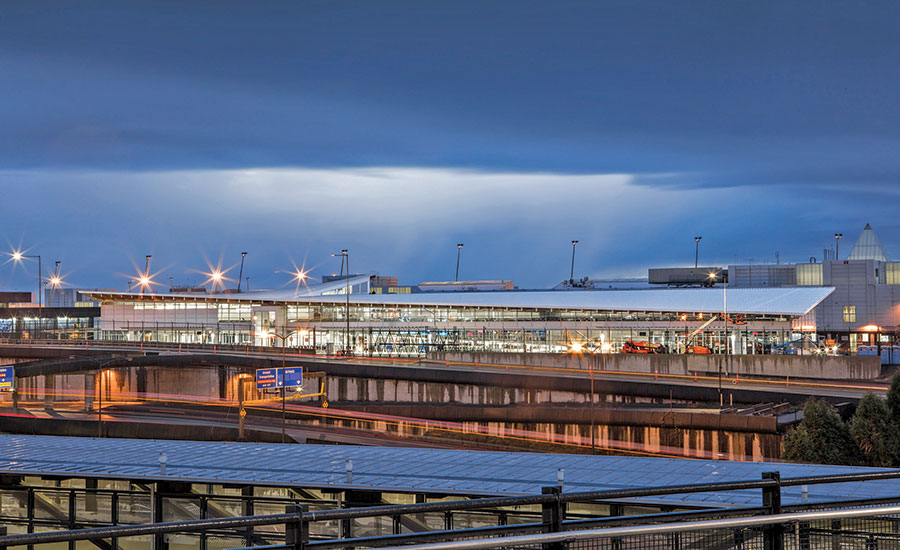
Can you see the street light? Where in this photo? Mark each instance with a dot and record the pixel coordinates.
(458, 250)
(283, 415)
(837, 245)
(17, 257)
(697, 251)
(55, 279)
(712, 277)
(145, 280)
(241, 273)
(345, 256)
(572, 270)
(100, 366)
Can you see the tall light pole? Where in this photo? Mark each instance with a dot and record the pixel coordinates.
(55, 280)
(837, 245)
(283, 415)
(572, 269)
(241, 274)
(712, 276)
(697, 251)
(145, 278)
(17, 257)
(345, 257)
(458, 251)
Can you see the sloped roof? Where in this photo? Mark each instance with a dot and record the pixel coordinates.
(461, 472)
(868, 247)
(793, 301)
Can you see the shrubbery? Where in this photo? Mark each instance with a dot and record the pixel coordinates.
(870, 438)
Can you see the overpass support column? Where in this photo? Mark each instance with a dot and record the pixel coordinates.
(89, 387)
(49, 389)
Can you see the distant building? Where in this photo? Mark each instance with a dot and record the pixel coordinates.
(7, 298)
(70, 297)
(465, 286)
(865, 305)
(586, 283)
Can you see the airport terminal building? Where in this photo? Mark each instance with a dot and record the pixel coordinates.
(322, 318)
(863, 310)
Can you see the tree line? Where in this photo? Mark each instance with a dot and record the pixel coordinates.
(871, 437)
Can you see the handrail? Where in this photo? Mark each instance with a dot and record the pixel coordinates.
(397, 510)
(665, 528)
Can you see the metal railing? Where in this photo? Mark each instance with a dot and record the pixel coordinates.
(770, 522)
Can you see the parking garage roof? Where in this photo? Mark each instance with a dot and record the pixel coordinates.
(410, 470)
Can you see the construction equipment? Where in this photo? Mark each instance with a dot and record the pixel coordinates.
(643, 348)
(703, 350)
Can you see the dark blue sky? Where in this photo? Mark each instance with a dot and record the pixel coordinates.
(397, 129)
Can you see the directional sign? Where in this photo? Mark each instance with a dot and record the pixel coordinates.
(267, 379)
(293, 377)
(6, 378)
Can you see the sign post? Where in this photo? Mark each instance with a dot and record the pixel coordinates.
(283, 378)
(7, 379)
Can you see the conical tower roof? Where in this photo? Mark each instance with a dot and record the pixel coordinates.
(868, 247)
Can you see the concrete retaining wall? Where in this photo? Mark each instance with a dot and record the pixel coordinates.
(805, 366)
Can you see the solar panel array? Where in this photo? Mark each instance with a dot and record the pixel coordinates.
(408, 470)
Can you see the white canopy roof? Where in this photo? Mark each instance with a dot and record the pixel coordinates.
(793, 301)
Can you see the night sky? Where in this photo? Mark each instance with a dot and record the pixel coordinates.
(193, 131)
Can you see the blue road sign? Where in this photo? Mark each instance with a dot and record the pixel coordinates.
(6, 378)
(267, 379)
(293, 377)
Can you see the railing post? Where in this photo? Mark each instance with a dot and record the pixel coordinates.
(552, 516)
(835, 534)
(773, 535)
(296, 532)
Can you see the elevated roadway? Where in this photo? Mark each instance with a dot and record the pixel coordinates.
(60, 358)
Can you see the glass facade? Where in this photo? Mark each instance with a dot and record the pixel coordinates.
(809, 275)
(414, 330)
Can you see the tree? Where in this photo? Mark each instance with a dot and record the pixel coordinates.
(893, 398)
(821, 437)
(875, 433)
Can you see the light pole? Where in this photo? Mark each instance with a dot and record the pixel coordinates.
(458, 251)
(145, 280)
(100, 366)
(345, 256)
(837, 245)
(697, 251)
(241, 412)
(572, 269)
(712, 276)
(17, 257)
(283, 407)
(241, 274)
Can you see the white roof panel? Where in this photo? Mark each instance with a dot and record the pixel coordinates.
(793, 301)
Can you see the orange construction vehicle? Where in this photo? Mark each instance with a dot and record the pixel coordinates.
(643, 347)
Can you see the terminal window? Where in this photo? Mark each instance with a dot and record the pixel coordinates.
(892, 273)
(849, 314)
(809, 274)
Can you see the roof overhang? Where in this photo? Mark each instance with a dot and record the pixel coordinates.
(790, 301)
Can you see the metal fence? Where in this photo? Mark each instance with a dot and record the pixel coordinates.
(448, 525)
